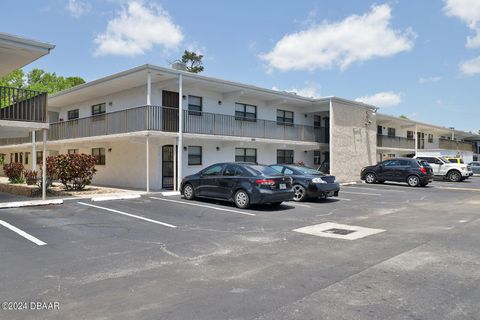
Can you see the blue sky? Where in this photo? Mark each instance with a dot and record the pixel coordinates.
(417, 58)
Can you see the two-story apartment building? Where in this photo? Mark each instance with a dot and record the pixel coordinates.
(404, 137)
(22, 112)
(149, 126)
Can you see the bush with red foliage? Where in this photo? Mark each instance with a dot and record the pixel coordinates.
(75, 171)
(14, 172)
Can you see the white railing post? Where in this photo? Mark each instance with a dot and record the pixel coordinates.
(44, 165)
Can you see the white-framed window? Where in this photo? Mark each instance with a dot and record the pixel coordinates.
(194, 155)
(73, 114)
(98, 109)
(99, 154)
(195, 105)
(245, 112)
(246, 155)
(72, 151)
(285, 156)
(284, 117)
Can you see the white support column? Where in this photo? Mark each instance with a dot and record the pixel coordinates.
(416, 139)
(147, 142)
(34, 152)
(44, 165)
(331, 119)
(175, 179)
(149, 88)
(180, 130)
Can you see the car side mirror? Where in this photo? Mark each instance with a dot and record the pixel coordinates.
(380, 166)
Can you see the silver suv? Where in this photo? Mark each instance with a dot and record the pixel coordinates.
(442, 168)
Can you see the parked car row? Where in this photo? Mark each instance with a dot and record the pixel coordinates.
(249, 183)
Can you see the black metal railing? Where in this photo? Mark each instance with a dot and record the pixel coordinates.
(23, 105)
(395, 142)
(165, 119)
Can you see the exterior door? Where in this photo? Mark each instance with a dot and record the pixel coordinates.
(167, 167)
(170, 103)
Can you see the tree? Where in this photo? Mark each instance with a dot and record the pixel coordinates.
(403, 117)
(39, 80)
(192, 61)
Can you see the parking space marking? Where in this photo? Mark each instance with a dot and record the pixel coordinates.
(343, 199)
(369, 188)
(458, 188)
(363, 193)
(203, 206)
(298, 204)
(129, 215)
(22, 233)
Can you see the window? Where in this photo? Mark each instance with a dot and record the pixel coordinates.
(27, 156)
(39, 157)
(194, 156)
(72, 114)
(284, 117)
(392, 163)
(285, 156)
(245, 112)
(379, 130)
(16, 156)
(391, 155)
(409, 134)
(287, 171)
(245, 155)
(99, 154)
(21, 157)
(233, 171)
(195, 105)
(277, 168)
(215, 170)
(391, 132)
(72, 151)
(430, 138)
(317, 121)
(317, 156)
(98, 109)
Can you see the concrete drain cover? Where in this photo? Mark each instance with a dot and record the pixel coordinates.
(338, 231)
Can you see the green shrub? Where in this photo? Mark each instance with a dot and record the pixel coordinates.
(14, 172)
(75, 171)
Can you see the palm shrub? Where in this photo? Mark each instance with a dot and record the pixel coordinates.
(75, 171)
(14, 172)
(31, 176)
(51, 173)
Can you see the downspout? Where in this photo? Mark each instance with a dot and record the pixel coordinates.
(180, 131)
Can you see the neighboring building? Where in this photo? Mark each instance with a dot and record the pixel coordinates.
(126, 118)
(404, 137)
(22, 112)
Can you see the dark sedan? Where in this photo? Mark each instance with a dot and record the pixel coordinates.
(308, 182)
(242, 183)
(415, 172)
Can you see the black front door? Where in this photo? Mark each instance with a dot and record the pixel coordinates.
(167, 167)
(170, 102)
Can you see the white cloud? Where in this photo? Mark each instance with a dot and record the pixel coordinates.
(382, 99)
(471, 67)
(469, 12)
(137, 28)
(424, 80)
(77, 8)
(326, 45)
(310, 90)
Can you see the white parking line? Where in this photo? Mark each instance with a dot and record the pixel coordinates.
(298, 204)
(364, 193)
(22, 233)
(344, 199)
(196, 204)
(369, 188)
(129, 215)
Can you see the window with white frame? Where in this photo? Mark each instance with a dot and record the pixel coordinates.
(195, 105)
(98, 109)
(285, 156)
(194, 155)
(430, 138)
(73, 114)
(99, 154)
(72, 151)
(246, 155)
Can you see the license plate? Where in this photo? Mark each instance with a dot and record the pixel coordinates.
(282, 186)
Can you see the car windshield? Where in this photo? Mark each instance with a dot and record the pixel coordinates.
(444, 160)
(262, 170)
(307, 170)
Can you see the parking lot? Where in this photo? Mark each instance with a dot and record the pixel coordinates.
(162, 257)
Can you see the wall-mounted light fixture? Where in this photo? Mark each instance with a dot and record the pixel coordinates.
(184, 97)
(218, 148)
(185, 148)
(219, 102)
(109, 149)
(305, 151)
(110, 103)
(306, 115)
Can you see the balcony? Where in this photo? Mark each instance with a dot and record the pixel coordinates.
(456, 145)
(23, 105)
(395, 142)
(164, 119)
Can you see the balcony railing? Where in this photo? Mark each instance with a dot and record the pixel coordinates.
(395, 142)
(23, 105)
(456, 145)
(165, 119)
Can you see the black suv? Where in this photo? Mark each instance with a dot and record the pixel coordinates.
(414, 172)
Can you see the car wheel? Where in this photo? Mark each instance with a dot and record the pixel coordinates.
(370, 177)
(454, 176)
(276, 204)
(188, 192)
(242, 199)
(413, 181)
(299, 193)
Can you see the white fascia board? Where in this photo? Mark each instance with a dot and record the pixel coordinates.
(25, 43)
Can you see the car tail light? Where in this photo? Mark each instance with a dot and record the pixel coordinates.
(265, 182)
(423, 169)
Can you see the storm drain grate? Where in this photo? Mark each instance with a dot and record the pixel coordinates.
(338, 231)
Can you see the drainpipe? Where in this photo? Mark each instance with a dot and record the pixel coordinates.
(180, 130)
(34, 152)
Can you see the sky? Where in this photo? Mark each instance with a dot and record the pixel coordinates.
(420, 59)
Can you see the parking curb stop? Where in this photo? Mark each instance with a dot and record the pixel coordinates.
(32, 203)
